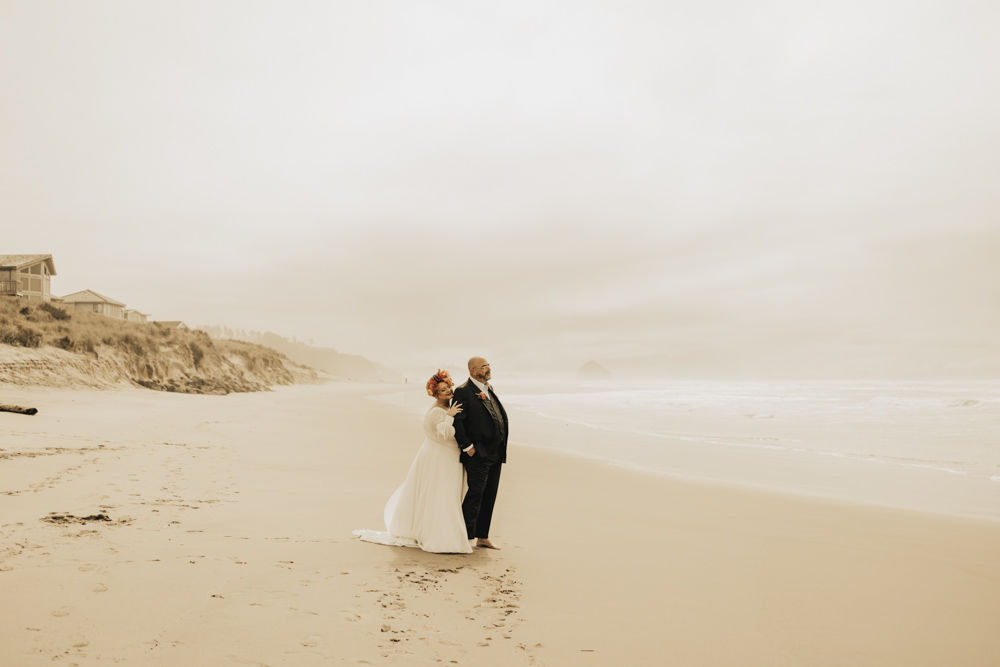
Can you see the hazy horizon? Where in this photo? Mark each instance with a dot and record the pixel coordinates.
(673, 190)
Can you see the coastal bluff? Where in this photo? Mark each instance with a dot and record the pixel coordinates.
(44, 345)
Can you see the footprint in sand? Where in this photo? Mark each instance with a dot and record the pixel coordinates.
(100, 588)
(62, 611)
(351, 616)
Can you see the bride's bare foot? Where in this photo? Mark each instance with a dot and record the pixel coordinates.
(485, 542)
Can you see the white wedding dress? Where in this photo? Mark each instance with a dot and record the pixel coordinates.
(426, 510)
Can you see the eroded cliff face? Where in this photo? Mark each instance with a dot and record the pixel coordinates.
(67, 348)
(168, 370)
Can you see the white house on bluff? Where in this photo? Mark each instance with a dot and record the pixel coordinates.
(90, 300)
(27, 276)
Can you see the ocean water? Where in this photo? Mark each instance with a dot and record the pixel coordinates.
(927, 446)
(952, 427)
(920, 445)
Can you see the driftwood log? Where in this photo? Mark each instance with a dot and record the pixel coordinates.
(18, 408)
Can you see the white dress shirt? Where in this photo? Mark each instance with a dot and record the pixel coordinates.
(482, 387)
(485, 389)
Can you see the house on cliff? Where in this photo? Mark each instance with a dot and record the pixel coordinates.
(132, 315)
(27, 276)
(180, 326)
(98, 303)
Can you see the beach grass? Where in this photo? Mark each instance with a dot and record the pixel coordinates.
(147, 354)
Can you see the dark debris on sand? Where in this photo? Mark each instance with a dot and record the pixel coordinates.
(66, 518)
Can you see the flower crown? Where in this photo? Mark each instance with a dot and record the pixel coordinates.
(440, 376)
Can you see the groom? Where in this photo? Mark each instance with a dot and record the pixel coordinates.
(481, 431)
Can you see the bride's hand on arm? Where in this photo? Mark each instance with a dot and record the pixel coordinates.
(454, 409)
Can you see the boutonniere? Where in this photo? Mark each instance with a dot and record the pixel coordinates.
(482, 396)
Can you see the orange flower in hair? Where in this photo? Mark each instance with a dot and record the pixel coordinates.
(436, 379)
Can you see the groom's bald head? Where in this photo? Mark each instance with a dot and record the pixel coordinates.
(479, 368)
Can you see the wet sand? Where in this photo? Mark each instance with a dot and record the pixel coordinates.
(148, 528)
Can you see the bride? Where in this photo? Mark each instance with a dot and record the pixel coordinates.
(426, 510)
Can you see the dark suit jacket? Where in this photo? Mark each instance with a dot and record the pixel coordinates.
(480, 424)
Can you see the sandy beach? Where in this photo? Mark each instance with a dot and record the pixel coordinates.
(148, 528)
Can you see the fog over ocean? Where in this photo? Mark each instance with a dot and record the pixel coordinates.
(675, 190)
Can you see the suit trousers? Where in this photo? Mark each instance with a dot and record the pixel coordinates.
(477, 508)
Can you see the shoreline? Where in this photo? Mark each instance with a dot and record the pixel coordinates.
(807, 474)
(229, 543)
(990, 517)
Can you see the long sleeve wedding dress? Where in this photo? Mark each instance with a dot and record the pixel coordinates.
(426, 510)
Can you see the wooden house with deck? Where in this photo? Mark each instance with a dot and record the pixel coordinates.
(27, 276)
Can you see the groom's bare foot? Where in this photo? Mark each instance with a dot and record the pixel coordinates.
(485, 542)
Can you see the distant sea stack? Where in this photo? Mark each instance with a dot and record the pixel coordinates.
(593, 371)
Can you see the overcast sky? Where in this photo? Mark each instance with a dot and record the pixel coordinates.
(685, 188)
